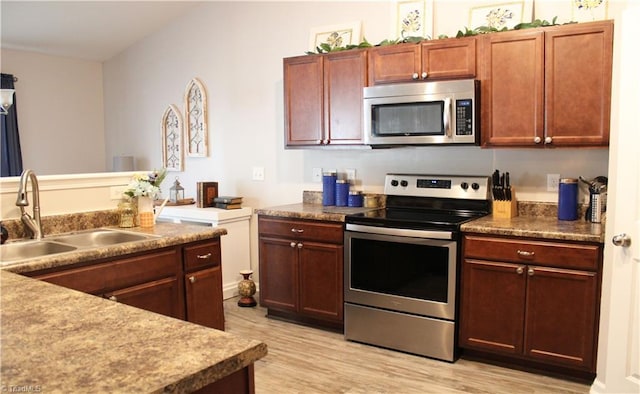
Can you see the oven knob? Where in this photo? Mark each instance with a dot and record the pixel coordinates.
(394, 183)
(475, 186)
(464, 185)
(404, 183)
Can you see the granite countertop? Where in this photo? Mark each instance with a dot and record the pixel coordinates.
(165, 234)
(59, 340)
(311, 211)
(56, 339)
(544, 227)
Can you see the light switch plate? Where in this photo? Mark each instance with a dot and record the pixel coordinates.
(258, 173)
(317, 174)
(553, 181)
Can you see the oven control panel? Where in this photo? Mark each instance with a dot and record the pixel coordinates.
(442, 186)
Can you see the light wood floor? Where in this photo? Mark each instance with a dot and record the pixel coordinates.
(308, 360)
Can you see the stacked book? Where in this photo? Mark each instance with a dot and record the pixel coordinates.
(228, 202)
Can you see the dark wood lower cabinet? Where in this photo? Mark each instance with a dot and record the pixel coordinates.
(203, 289)
(519, 301)
(158, 296)
(301, 270)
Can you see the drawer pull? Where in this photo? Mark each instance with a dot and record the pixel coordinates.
(192, 279)
(524, 253)
(530, 271)
(520, 270)
(297, 230)
(204, 256)
(293, 244)
(113, 298)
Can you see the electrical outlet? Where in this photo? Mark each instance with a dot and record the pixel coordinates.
(258, 174)
(117, 192)
(317, 174)
(553, 181)
(351, 174)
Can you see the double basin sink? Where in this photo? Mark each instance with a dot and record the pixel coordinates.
(15, 252)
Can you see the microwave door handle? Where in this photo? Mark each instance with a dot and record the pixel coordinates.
(446, 117)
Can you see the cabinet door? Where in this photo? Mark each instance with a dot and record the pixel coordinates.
(492, 306)
(203, 291)
(394, 63)
(345, 74)
(160, 296)
(321, 280)
(303, 100)
(578, 62)
(562, 310)
(449, 58)
(512, 89)
(278, 274)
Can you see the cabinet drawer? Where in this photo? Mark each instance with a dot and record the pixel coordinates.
(301, 229)
(111, 275)
(207, 254)
(555, 254)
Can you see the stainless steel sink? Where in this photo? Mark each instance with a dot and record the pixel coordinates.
(24, 250)
(12, 252)
(99, 237)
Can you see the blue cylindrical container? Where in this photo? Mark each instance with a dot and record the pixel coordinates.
(568, 199)
(355, 199)
(342, 192)
(329, 188)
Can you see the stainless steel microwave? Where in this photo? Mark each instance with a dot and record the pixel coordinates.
(422, 113)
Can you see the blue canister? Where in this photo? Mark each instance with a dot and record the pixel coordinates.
(329, 188)
(568, 199)
(342, 192)
(355, 199)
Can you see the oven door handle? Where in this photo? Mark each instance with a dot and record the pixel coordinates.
(402, 232)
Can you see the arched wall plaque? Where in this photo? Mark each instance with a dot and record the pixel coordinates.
(172, 139)
(195, 104)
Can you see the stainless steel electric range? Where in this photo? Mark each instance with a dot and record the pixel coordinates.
(402, 263)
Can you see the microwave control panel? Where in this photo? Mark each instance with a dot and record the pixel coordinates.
(464, 117)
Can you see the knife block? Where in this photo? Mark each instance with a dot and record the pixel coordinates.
(506, 209)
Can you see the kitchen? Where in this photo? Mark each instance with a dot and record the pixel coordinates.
(136, 95)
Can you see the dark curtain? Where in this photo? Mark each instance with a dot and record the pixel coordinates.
(11, 154)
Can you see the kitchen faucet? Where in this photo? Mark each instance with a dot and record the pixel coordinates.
(33, 224)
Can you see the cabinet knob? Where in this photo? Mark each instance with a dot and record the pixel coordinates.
(621, 240)
(424, 75)
(537, 140)
(520, 270)
(113, 298)
(530, 271)
(292, 244)
(300, 245)
(204, 256)
(414, 76)
(525, 254)
(548, 140)
(192, 279)
(319, 142)
(325, 142)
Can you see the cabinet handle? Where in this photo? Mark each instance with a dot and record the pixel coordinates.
(113, 298)
(293, 244)
(524, 253)
(548, 140)
(537, 140)
(424, 75)
(414, 76)
(192, 279)
(520, 270)
(300, 245)
(297, 230)
(204, 256)
(530, 271)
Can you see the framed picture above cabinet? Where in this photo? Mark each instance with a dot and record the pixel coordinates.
(195, 106)
(172, 139)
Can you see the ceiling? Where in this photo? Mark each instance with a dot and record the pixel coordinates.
(90, 30)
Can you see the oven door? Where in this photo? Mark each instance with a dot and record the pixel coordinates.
(401, 273)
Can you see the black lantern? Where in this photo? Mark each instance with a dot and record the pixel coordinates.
(176, 193)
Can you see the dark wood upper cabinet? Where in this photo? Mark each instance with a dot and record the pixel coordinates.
(547, 87)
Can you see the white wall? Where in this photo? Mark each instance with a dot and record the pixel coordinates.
(60, 112)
